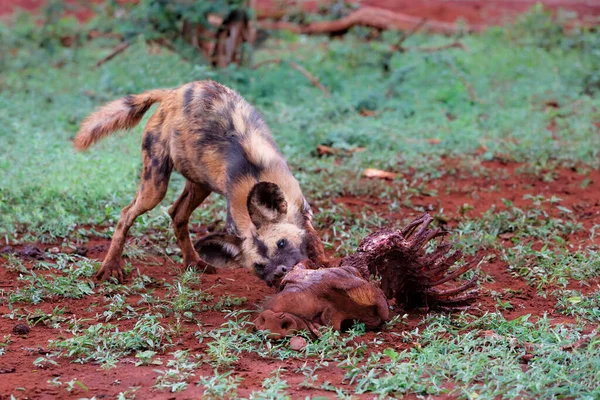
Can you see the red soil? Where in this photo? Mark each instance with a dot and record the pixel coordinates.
(473, 12)
(497, 180)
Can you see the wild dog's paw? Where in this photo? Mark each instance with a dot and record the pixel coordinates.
(201, 266)
(110, 269)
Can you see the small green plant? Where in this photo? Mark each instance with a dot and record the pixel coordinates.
(546, 266)
(310, 376)
(14, 263)
(40, 287)
(273, 387)
(182, 297)
(575, 303)
(104, 343)
(52, 319)
(220, 386)
(129, 394)
(180, 369)
(6, 340)
(44, 362)
(71, 385)
(146, 358)
(118, 307)
(225, 303)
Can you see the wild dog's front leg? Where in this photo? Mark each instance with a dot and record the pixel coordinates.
(192, 196)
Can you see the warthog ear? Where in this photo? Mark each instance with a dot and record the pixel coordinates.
(219, 249)
(266, 204)
(364, 302)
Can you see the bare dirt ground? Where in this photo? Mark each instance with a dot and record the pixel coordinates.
(497, 180)
(474, 12)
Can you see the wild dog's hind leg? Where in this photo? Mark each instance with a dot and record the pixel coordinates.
(155, 180)
(191, 197)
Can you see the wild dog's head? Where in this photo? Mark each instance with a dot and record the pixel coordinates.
(277, 242)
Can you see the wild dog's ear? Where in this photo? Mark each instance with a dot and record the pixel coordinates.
(266, 204)
(219, 249)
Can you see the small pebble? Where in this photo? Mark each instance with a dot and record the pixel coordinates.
(54, 250)
(297, 343)
(21, 329)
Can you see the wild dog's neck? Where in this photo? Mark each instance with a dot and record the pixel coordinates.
(238, 218)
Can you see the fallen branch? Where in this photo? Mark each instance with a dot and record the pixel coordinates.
(433, 49)
(406, 34)
(298, 68)
(117, 50)
(365, 16)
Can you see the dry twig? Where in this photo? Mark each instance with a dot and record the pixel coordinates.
(406, 34)
(454, 45)
(300, 69)
(117, 50)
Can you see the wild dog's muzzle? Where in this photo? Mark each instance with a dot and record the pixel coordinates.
(274, 278)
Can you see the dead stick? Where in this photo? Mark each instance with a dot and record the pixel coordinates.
(168, 45)
(433, 49)
(300, 69)
(406, 34)
(119, 49)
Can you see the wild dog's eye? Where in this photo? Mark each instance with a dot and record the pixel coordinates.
(281, 243)
(259, 267)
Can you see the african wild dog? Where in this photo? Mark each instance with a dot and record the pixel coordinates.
(219, 143)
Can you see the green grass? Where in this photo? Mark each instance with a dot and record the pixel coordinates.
(41, 107)
(481, 366)
(50, 194)
(104, 343)
(574, 303)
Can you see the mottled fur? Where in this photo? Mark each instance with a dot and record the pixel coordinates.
(219, 143)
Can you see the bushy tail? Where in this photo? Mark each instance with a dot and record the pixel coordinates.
(124, 113)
